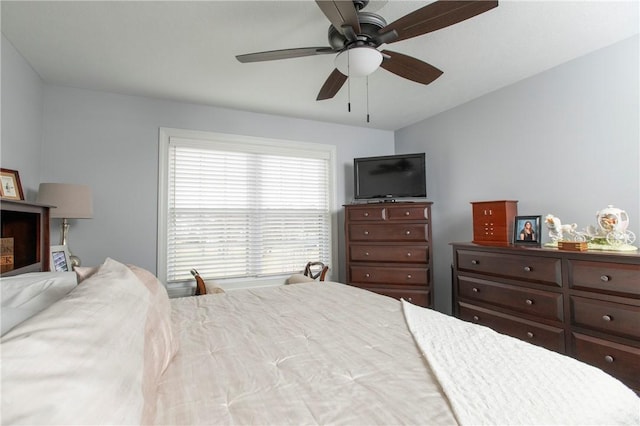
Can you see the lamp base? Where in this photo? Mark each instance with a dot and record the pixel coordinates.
(64, 233)
(75, 260)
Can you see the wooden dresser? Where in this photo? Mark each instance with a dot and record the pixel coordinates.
(388, 249)
(583, 304)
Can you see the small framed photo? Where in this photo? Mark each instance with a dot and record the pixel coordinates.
(60, 260)
(11, 187)
(526, 230)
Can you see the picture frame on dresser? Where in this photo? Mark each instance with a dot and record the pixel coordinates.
(60, 260)
(10, 187)
(526, 230)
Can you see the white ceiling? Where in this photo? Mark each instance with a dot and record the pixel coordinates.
(185, 51)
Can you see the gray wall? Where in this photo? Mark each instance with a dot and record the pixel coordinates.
(21, 139)
(110, 142)
(565, 141)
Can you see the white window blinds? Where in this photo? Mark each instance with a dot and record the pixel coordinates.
(243, 210)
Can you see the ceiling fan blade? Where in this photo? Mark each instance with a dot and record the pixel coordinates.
(272, 55)
(340, 13)
(332, 85)
(409, 67)
(437, 15)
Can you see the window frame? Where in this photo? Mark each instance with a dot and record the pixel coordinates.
(206, 139)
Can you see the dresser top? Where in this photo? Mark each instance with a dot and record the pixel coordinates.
(509, 248)
(388, 203)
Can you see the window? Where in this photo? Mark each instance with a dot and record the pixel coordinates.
(239, 207)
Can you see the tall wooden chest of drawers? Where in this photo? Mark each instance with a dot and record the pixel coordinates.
(388, 249)
(583, 304)
(493, 221)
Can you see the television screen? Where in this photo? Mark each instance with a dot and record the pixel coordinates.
(390, 176)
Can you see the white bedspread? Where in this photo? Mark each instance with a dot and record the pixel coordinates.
(313, 353)
(529, 384)
(327, 353)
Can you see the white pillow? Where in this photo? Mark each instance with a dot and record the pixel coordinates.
(298, 278)
(84, 359)
(23, 296)
(213, 287)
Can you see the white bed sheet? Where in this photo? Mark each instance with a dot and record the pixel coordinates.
(313, 353)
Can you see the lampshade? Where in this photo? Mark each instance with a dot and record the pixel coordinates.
(71, 201)
(358, 61)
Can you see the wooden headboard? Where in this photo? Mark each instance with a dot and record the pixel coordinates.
(24, 228)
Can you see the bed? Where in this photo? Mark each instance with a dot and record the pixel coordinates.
(116, 350)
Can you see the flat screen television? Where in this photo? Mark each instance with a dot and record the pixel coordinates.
(390, 177)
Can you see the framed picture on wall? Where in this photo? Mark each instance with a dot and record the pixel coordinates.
(10, 187)
(60, 260)
(526, 230)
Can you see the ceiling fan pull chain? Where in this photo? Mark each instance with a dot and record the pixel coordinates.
(348, 83)
(367, 99)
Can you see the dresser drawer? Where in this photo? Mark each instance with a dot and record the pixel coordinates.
(420, 298)
(605, 277)
(366, 213)
(543, 270)
(621, 361)
(608, 317)
(407, 213)
(536, 303)
(389, 253)
(385, 275)
(539, 334)
(388, 232)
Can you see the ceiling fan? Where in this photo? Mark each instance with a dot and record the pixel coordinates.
(356, 35)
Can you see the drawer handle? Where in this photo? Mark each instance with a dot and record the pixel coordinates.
(366, 232)
(605, 278)
(608, 358)
(410, 299)
(409, 276)
(366, 214)
(528, 269)
(409, 254)
(407, 233)
(366, 253)
(407, 213)
(475, 290)
(476, 318)
(367, 275)
(529, 302)
(607, 318)
(529, 335)
(475, 262)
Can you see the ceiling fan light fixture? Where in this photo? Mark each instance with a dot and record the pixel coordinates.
(358, 61)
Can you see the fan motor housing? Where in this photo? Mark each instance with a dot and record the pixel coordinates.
(370, 24)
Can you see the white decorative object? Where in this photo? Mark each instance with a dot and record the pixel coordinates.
(610, 233)
(613, 223)
(558, 231)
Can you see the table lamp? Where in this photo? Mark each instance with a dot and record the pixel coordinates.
(71, 202)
